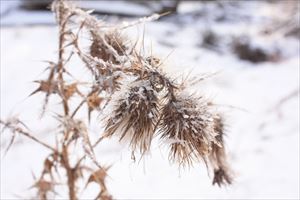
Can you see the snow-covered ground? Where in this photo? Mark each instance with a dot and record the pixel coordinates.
(263, 124)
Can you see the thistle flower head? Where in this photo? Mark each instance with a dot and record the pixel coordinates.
(218, 160)
(135, 115)
(188, 126)
(109, 46)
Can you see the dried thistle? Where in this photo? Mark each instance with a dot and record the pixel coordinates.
(144, 103)
(187, 125)
(218, 158)
(109, 46)
(135, 115)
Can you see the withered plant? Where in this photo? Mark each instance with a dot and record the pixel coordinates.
(135, 101)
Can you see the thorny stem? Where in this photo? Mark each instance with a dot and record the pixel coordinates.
(65, 153)
(70, 173)
(62, 27)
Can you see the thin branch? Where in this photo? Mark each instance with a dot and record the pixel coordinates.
(17, 129)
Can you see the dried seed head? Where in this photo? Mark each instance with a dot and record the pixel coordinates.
(217, 157)
(135, 115)
(188, 126)
(221, 177)
(98, 50)
(108, 46)
(117, 41)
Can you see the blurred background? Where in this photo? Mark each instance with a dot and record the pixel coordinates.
(252, 46)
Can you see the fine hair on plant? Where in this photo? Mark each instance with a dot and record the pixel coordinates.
(134, 99)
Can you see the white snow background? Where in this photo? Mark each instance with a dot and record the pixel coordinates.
(262, 134)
